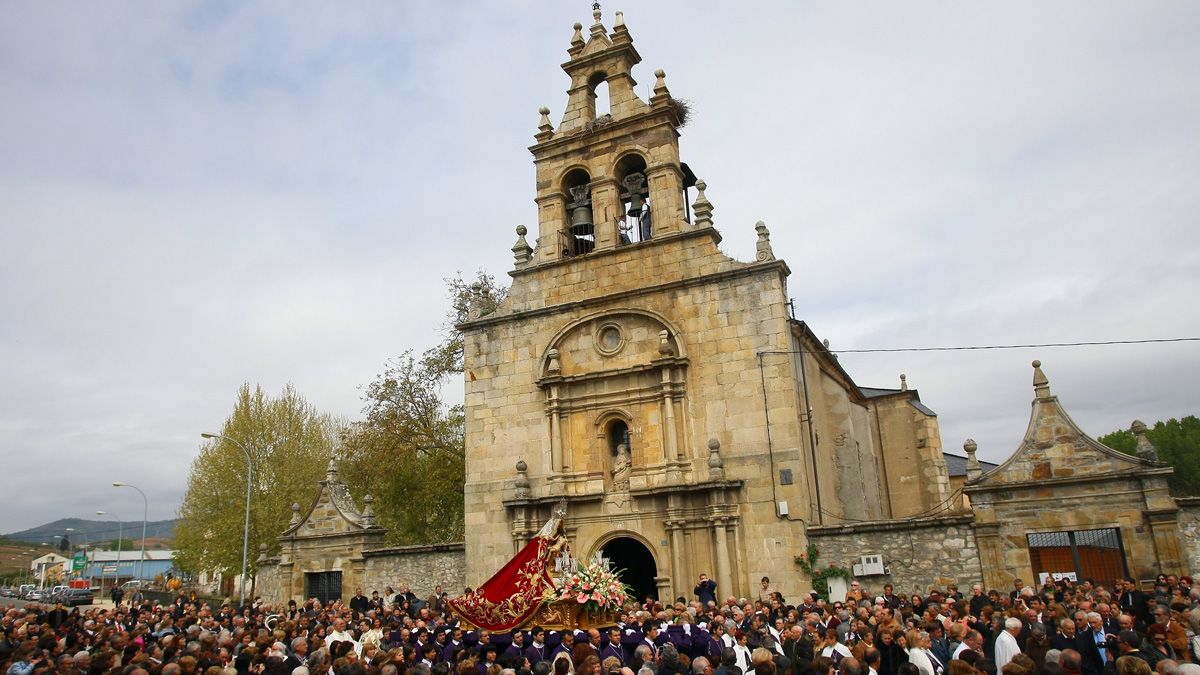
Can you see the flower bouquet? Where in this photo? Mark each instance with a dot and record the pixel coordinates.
(593, 587)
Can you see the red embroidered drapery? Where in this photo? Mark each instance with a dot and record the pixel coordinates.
(514, 593)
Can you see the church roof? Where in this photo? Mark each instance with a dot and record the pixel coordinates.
(956, 465)
(914, 401)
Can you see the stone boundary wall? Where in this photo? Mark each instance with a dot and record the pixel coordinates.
(421, 567)
(266, 582)
(920, 553)
(1189, 533)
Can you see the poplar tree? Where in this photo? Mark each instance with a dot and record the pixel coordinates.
(291, 444)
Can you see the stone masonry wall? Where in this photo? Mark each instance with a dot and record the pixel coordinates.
(1189, 533)
(266, 582)
(421, 567)
(920, 553)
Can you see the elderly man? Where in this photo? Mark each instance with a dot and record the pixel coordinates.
(1006, 642)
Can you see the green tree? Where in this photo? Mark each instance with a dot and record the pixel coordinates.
(291, 444)
(408, 452)
(1178, 444)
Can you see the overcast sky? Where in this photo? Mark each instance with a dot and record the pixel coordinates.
(197, 195)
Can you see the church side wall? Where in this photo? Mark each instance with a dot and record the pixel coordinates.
(918, 553)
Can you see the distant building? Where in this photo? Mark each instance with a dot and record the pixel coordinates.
(108, 567)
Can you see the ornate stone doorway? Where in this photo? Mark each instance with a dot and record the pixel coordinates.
(635, 563)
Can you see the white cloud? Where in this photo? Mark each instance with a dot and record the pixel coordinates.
(196, 196)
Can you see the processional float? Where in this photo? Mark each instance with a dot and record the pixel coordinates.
(524, 593)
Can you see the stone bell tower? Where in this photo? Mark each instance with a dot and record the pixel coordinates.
(622, 372)
(608, 177)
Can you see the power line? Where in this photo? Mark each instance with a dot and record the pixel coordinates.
(966, 348)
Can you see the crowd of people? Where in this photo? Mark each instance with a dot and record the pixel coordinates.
(1061, 628)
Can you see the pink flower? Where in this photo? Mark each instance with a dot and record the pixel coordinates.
(581, 598)
(587, 586)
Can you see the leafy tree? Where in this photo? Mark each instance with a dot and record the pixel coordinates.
(408, 453)
(291, 444)
(1178, 444)
(479, 296)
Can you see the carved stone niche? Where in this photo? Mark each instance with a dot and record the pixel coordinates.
(608, 378)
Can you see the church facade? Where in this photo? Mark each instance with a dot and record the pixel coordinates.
(658, 386)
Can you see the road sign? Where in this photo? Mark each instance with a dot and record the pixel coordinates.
(110, 569)
(79, 562)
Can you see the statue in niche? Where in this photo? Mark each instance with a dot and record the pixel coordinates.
(622, 467)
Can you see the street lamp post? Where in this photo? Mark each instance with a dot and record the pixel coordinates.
(246, 528)
(145, 516)
(120, 542)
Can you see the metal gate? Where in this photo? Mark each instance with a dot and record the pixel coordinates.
(324, 586)
(1089, 554)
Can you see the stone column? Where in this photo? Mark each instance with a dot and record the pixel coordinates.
(1164, 527)
(606, 209)
(724, 578)
(670, 448)
(663, 585)
(675, 528)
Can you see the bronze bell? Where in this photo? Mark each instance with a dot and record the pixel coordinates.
(636, 203)
(581, 220)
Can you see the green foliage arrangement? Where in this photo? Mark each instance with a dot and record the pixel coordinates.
(821, 575)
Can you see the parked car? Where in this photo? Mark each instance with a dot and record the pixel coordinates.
(73, 597)
(38, 595)
(24, 590)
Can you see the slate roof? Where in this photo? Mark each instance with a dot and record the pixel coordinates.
(876, 392)
(956, 465)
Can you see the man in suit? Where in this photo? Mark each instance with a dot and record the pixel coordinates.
(1133, 601)
(359, 603)
(297, 657)
(706, 590)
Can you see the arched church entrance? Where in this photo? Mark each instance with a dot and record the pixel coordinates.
(634, 563)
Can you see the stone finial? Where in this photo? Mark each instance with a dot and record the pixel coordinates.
(1041, 385)
(660, 83)
(553, 364)
(716, 466)
(1145, 449)
(825, 344)
(903, 382)
(522, 482)
(763, 245)
(597, 30)
(262, 552)
(577, 42)
(522, 252)
(664, 343)
(974, 469)
(545, 128)
(331, 474)
(295, 515)
(702, 207)
(368, 512)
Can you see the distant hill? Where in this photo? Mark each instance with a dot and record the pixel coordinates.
(91, 531)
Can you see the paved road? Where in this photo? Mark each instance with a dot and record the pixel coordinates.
(16, 602)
